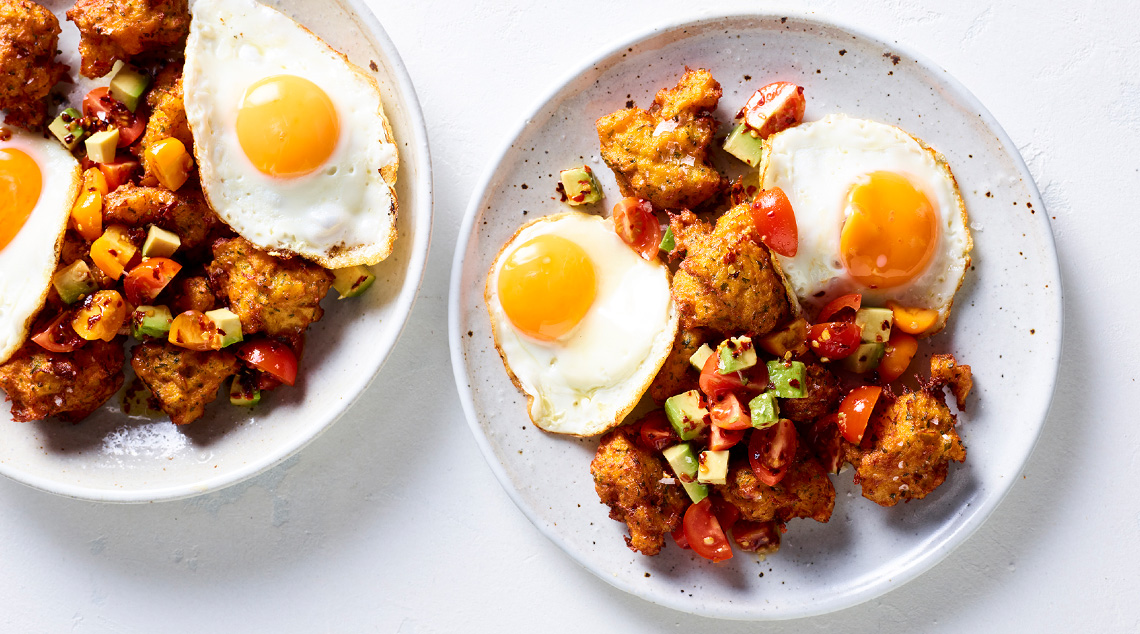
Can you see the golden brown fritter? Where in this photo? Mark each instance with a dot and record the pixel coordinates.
(184, 212)
(118, 29)
(183, 381)
(67, 385)
(805, 491)
(914, 442)
(677, 374)
(823, 394)
(628, 479)
(167, 117)
(29, 35)
(191, 292)
(274, 295)
(661, 154)
(945, 370)
(727, 282)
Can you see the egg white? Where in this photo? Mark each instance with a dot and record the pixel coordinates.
(343, 213)
(589, 380)
(817, 163)
(29, 260)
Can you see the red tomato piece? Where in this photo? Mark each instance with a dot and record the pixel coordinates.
(100, 105)
(715, 385)
(59, 336)
(637, 225)
(729, 413)
(838, 307)
(147, 280)
(774, 107)
(826, 444)
(272, 357)
(679, 537)
(721, 438)
(726, 512)
(771, 451)
(118, 173)
(896, 357)
(704, 533)
(655, 432)
(834, 339)
(855, 411)
(776, 222)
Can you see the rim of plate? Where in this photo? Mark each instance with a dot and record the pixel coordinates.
(975, 516)
(404, 304)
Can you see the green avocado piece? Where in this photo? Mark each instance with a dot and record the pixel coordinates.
(67, 128)
(74, 281)
(686, 414)
(228, 323)
(735, 354)
(787, 378)
(713, 468)
(580, 186)
(669, 242)
(243, 393)
(151, 321)
(741, 144)
(686, 466)
(128, 86)
(865, 358)
(699, 357)
(101, 146)
(875, 324)
(764, 409)
(352, 281)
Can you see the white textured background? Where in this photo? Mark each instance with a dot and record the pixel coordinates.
(392, 522)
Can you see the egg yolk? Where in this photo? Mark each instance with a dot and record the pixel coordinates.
(20, 185)
(546, 286)
(890, 233)
(287, 126)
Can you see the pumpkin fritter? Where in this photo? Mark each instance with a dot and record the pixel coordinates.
(184, 212)
(119, 29)
(277, 296)
(661, 154)
(805, 491)
(677, 374)
(822, 397)
(945, 370)
(183, 381)
(29, 36)
(67, 385)
(727, 281)
(192, 292)
(167, 117)
(628, 479)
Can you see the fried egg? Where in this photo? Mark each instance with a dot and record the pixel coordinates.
(878, 213)
(291, 140)
(582, 322)
(39, 181)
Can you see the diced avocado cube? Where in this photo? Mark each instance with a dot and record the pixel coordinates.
(243, 393)
(352, 281)
(73, 281)
(685, 413)
(743, 145)
(735, 354)
(128, 85)
(160, 243)
(699, 357)
(713, 468)
(67, 128)
(151, 321)
(686, 466)
(228, 323)
(764, 409)
(580, 186)
(787, 378)
(668, 243)
(101, 146)
(875, 324)
(696, 491)
(865, 358)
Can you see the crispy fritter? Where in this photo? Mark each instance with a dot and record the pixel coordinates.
(822, 398)
(29, 35)
(727, 282)
(167, 117)
(914, 442)
(661, 154)
(945, 370)
(805, 491)
(67, 385)
(677, 374)
(192, 292)
(628, 479)
(118, 29)
(275, 295)
(184, 212)
(183, 381)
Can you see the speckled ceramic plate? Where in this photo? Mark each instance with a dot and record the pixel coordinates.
(115, 458)
(1007, 322)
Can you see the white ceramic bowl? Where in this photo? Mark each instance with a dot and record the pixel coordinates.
(1006, 322)
(110, 457)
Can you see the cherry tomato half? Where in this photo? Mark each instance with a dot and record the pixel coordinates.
(729, 413)
(834, 339)
(897, 355)
(102, 106)
(913, 321)
(715, 385)
(774, 107)
(855, 411)
(771, 450)
(679, 537)
(776, 222)
(704, 534)
(837, 309)
(119, 172)
(272, 357)
(655, 432)
(147, 280)
(721, 438)
(59, 336)
(637, 225)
